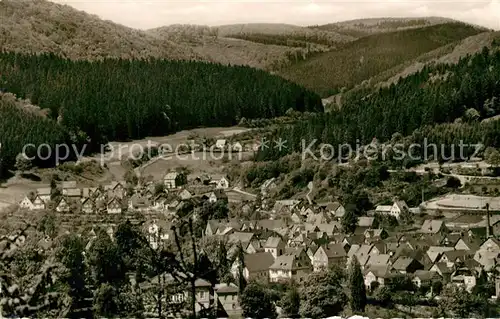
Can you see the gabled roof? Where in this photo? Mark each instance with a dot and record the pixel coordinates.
(44, 191)
(385, 271)
(267, 183)
(402, 263)
(363, 253)
(272, 242)
(171, 175)
(365, 221)
(383, 208)
(202, 283)
(220, 143)
(432, 226)
(72, 192)
(258, 261)
(425, 275)
(334, 250)
(219, 194)
(242, 237)
(224, 288)
(443, 268)
(378, 260)
(470, 242)
(401, 204)
(270, 224)
(68, 184)
(453, 255)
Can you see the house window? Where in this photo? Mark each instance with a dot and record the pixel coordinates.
(294, 272)
(202, 295)
(178, 298)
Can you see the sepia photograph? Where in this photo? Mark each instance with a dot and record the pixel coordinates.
(262, 159)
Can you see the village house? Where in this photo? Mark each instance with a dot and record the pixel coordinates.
(328, 255)
(275, 246)
(379, 276)
(435, 252)
(184, 195)
(44, 193)
(39, 203)
(268, 186)
(443, 270)
(256, 266)
(72, 193)
(63, 206)
(467, 244)
(294, 266)
(396, 209)
(26, 203)
(221, 144)
(227, 295)
(454, 257)
(363, 253)
(407, 265)
(174, 180)
(116, 189)
(138, 203)
(114, 206)
(375, 234)
(217, 195)
(88, 206)
(464, 277)
(425, 278)
(433, 226)
(378, 260)
(364, 223)
(220, 182)
(488, 253)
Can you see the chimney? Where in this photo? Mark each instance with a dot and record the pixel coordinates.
(488, 224)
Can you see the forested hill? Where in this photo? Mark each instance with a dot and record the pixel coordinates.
(35, 26)
(461, 94)
(124, 99)
(357, 61)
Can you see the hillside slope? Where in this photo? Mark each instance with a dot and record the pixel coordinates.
(267, 46)
(209, 45)
(362, 59)
(43, 26)
(450, 54)
(363, 27)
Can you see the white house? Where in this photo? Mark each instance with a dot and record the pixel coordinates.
(222, 183)
(114, 206)
(395, 209)
(38, 203)
(294, 266)
(26, 203)
(275, 246)
(63, 206)
(256, 266)
(88, 206)
(174, 180)
(221, 143)
(216, 195)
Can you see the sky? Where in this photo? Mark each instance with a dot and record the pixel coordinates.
(145, 14)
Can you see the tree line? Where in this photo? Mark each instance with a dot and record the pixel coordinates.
(443, 103)
(115, 99)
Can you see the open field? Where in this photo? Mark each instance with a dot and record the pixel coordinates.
(119, 150)
(465, 203)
